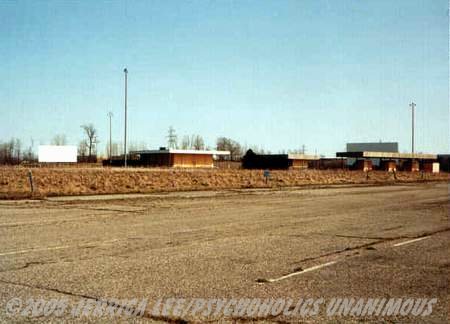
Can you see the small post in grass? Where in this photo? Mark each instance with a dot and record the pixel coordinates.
(30, 177)
(266, 175)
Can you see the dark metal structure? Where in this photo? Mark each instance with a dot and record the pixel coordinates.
(373, 147)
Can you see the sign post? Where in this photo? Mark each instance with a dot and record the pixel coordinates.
(266, 175)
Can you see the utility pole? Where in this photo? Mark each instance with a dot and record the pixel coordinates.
(110, 114)
(172, 138)
(412, 105)
(125, 140)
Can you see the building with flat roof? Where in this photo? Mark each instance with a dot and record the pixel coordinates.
(252, 160)
(389, 161)
(170, 158)
(179, 158)
(387, 155)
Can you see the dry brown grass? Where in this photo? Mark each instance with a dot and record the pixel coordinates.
(82, 181)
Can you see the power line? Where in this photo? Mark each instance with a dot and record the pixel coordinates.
(413, 106)
(125, 139)
(110, 115)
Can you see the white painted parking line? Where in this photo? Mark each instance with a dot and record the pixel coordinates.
(411, 241)
(317, 267)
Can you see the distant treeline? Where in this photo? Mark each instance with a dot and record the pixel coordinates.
(13, 152)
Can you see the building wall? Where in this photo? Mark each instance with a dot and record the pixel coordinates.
(191, 160)
(169, 160)
(299, 164)
(432, 167)
(410, 165)
(157, 160)
(226, 164)
(329, 163)
(365, 165)
(388, 165)
(265, 161)
(444, 161)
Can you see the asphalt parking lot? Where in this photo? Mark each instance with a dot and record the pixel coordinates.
(369, 242)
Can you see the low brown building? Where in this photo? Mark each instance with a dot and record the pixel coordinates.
(178, 158)
(389, 160)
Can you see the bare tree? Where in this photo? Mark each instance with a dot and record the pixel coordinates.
(142, 146)
(28, 154)
(115, 149)
(132, 147)
(59, 139)
(11, 148)
(82, 148)
(119, 147)
(197, 142)
(186, 142)
(18, 150)
(227, 144)
(91, 141)
(298, 151)
(4, 153)
(136, 146)
(11, 151)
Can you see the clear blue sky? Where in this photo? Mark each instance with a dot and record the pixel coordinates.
(277, 74)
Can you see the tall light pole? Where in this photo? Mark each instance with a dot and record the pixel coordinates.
(110, 114)
(125, 140)
(412, 105)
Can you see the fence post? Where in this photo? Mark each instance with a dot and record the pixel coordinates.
(30, 177)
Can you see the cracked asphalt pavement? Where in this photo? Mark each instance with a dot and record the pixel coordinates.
(229, 244)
